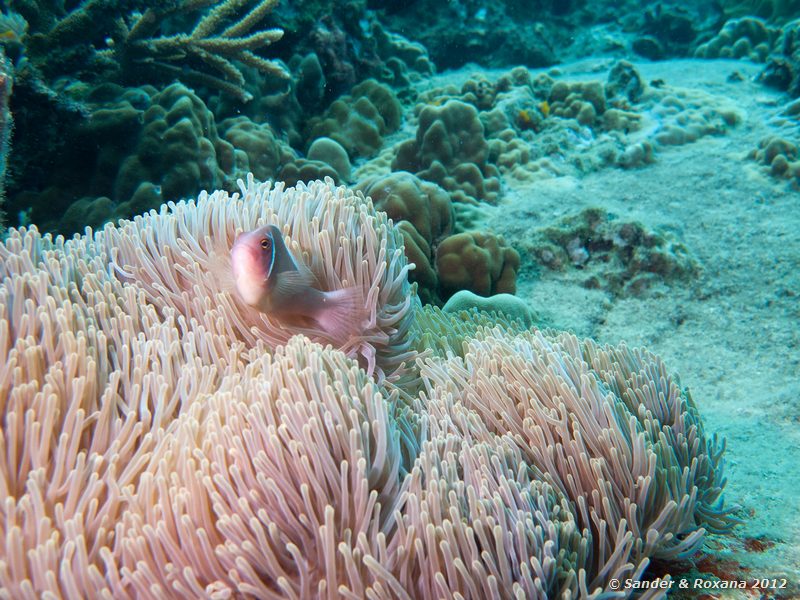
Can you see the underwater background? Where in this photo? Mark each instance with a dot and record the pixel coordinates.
(628, 172)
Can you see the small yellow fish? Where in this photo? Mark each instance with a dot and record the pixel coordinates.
(270, 279)
(544, 108)
(525, 119)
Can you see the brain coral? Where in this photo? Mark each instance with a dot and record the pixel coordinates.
(160, 440)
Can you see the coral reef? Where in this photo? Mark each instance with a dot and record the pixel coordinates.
(405, 62)
(404, 197)
(450, 149)
(547, 125)
(666, 29)
(510, 307)
(215, 42)
(492, 35)
(582, 101)
(783, 66)
(302, 169)
(342, 74)
(162, 438)
(6, 123)
(687, 115)
(72, 63)
(740, 38)
(139, 147)
(620, 257)
(81, 162)
(256, 148)
(112, 41)
(179, 148)
(777, 11)
(360, 120)
(350, 44)
(541, 33)
(332, 153)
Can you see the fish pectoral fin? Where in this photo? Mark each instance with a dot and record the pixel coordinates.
(308, 274)
(290, 283)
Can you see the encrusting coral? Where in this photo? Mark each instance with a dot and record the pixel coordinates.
(159, 438)
(780, 155)
(746, 37)
(622, 257)
(509, 306)
(178, 149)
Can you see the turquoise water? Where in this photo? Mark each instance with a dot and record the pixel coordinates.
(600, 204)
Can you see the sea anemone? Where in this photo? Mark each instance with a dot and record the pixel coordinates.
(159, 439)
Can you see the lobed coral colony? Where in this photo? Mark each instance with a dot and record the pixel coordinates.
(160, 438)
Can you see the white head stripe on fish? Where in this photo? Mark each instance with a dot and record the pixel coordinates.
(282, 259)
(268, 245)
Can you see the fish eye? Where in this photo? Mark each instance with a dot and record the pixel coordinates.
(265, 244)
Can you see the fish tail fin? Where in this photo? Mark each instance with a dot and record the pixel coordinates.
(343, 313)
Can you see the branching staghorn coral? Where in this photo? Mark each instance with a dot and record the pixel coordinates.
(159, 440)
(212, 43)
(136, 50)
